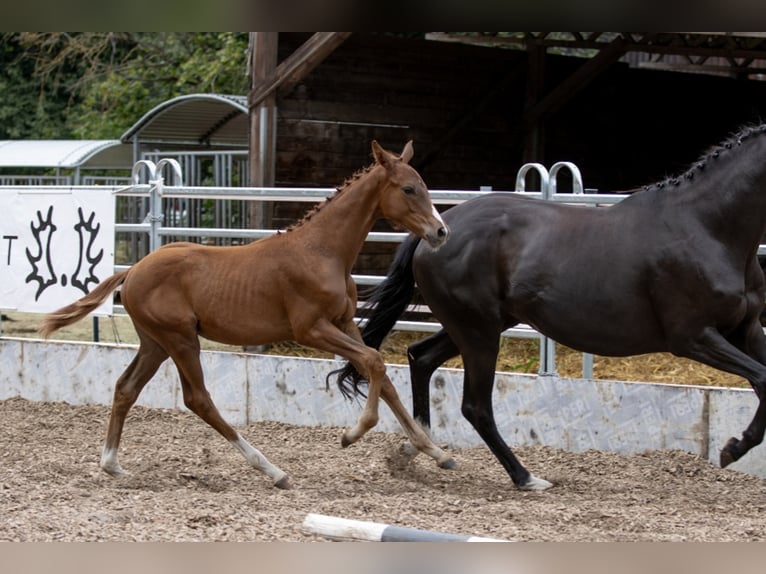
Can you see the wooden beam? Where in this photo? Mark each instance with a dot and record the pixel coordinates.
(466, 118)
(575, 82)
(298, 65)
(737, 45)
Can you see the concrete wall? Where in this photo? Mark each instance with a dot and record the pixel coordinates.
(572, 414)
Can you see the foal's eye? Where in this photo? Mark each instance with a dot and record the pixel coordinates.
(408, 190)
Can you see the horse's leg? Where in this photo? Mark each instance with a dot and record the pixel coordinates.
(146, 362)
(197, 399)
(418, 437)
(348, 343)
(326, 336)
(425, 357)
(714, 350)
(752, 436)
(479, 360)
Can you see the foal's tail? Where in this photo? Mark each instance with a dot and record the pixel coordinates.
(77, 310)
(387, 301)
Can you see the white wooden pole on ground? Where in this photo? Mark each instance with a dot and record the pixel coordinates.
(346, 529)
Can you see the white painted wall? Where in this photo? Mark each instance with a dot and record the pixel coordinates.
(572, 414)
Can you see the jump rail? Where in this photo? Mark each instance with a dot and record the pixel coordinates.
(345, 529)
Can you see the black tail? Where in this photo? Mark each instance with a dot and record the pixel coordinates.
(388, 301)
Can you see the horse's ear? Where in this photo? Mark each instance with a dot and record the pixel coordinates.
(407, 152)
(381, 156)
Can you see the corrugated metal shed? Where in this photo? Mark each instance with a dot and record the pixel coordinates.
(66, 154)
(194, 119)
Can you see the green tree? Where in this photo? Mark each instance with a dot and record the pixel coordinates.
(97, 84)
(29, 109)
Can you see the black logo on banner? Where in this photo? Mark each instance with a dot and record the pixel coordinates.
(43, 271)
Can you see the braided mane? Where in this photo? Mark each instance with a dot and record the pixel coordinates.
(710, 156)
(350, 180)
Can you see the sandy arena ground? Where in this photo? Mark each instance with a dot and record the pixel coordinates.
(187, 484)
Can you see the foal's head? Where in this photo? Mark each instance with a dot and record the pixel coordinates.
(404, 199)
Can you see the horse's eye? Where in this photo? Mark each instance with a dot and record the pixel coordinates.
(408, 190)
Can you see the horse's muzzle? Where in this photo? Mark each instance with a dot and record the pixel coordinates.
(439, 237)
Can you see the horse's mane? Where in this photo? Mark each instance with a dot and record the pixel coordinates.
(309, 214)
(712, 154)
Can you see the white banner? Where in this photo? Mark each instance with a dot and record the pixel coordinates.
(55, 246)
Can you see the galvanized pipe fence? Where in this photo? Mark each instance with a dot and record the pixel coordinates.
(153, 218)
(149, 182)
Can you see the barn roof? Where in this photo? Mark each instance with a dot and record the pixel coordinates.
(197, 119)
(67, 154)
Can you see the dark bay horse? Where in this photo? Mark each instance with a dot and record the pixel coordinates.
(291, 286)
(672, 267)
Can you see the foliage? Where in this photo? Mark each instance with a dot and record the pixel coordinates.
(27, 109)
(97, 84)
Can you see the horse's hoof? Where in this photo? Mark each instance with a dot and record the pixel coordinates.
(535, 484)
(448, 463)
(727, 454)
(115, 471)
(284, 483)
(344, 442)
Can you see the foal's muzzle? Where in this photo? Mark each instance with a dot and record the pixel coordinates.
(438, 237)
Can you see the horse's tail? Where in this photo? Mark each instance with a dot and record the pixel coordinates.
(77, 310)
(388, 301)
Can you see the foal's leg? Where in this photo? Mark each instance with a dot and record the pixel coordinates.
(418, 437)
(146, 362)
(326, 336)
(198, 400)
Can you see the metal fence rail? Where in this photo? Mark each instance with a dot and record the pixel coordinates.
(148, 182)
(151, 220)
(150, 225)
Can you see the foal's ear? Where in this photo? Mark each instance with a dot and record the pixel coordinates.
(407, 152)
(383, 157)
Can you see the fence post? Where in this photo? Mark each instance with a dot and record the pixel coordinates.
(577, 187)
(521, 177)
(154, 217)
(547, 345)
(155, 200)
(156, 186)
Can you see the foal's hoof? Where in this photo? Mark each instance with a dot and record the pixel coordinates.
(447, 463)
(284, 483)
(535, 484)
(115, 471)
(727, 452)
(350, 436)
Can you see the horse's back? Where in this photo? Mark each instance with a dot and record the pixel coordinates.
(241, 295)
(570, 271)
(201, 282)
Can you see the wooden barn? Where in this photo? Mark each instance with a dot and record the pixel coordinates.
(627, 108)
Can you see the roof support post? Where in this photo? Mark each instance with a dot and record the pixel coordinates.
(266, 77)
(537, 111)
(263, 124)
(534, 133)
